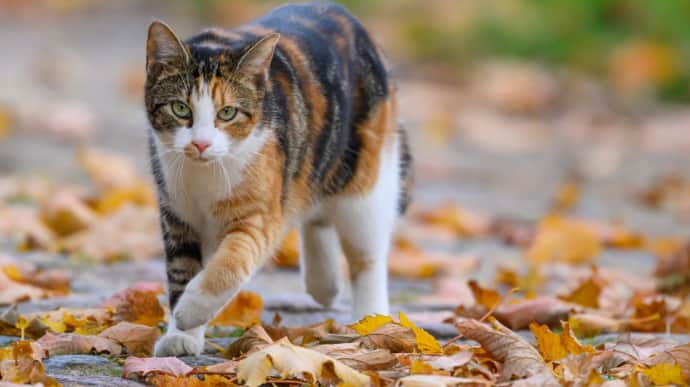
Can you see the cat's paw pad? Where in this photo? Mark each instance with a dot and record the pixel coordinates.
(178, 344)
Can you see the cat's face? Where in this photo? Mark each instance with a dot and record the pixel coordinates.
(205, 101)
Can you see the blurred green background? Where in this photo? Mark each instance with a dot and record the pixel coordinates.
(641, 47)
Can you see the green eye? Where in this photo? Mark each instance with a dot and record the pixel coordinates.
(227, 113)
(181, 109)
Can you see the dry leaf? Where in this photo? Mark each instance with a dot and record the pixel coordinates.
(137, 339)
(358, 357)
(561, 239)
(73, 344)
(371, 323)
(292, 361)
(21, 362)
(485, 297)
(555, 347)
(253, 339)
(161, 365)
(543, 310)
(663, 374)
(426, 343)
(242, 311)
(587, 293)
(392, 337)
(519, 358)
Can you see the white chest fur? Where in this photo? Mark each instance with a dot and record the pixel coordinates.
(193, 191)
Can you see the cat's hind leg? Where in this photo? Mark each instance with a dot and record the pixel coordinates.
(320, 254)
(365, 225)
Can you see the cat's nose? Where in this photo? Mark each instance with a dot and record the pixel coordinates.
(201, 145)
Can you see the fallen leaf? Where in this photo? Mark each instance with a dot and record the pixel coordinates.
(426, 343)
(678, 355)
(663, 374)
(242, 311)
(561, 239)
(357, 356)
(292, 361)
(21, 362)
(543, 310)
(74, 344)
(392, 337)
(137, 339)
(519, 358)
(457, 219)
(161, 365)
(253, 339)
(485, 297)
(371, 323)
(587, 293)
(555, 347)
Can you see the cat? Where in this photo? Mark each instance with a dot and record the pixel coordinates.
(286, 121)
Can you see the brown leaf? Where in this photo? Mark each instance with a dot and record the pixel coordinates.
(242, 311)
(21, 362)
(161, 365)
(136, 338)
(73, 344)
(519, 358)
(138, 304)
(587, 293)
(544, 310)
(358, 357)
(253, 339)
(634, 348)
(392, 337)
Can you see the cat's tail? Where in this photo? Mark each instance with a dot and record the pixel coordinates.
(406, 173)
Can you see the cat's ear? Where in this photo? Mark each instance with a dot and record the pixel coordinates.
(257, 57)
(163, 47)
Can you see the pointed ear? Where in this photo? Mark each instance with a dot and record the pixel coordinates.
(163, 47)
(257, 57)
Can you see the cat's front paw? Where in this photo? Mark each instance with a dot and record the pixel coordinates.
(178, 344)
(196, 307)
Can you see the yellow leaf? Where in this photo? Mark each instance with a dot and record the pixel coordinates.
(548, 343)
(485, 297)
(664, 374)
(57, 326)
(371, 323)
(561, 239)
(426, 343)
(243, 311)
(420, 367)
(555, 347)
(13, 273)
(587, 293)
(140, 194)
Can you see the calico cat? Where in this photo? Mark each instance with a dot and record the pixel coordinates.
(287, 121)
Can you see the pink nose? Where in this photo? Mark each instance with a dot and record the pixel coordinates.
(201, 145)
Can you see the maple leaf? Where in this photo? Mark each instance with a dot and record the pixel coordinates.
(242, 311)
(138, 304)
(519, 358)
(292, 361)
(137, 339)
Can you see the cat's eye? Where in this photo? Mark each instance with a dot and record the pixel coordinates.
(181, 109)
(227, 113)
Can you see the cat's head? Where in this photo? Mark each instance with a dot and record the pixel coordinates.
(204, 100)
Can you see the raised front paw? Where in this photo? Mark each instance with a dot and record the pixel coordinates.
(179, 344)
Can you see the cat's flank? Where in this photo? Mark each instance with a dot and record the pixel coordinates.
(287, 121)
